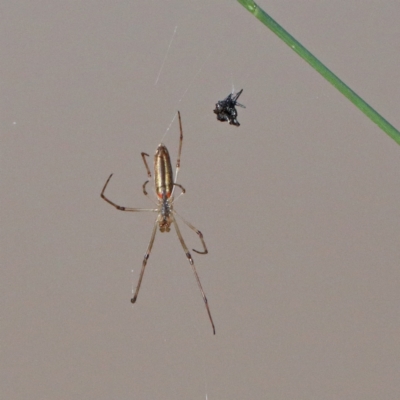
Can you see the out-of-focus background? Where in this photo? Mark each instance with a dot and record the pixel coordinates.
(299, 206)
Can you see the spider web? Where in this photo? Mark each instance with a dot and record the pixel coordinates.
(202, 63)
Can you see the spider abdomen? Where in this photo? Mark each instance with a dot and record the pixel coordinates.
(163, 176)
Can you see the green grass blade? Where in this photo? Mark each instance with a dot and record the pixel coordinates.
(324, 71)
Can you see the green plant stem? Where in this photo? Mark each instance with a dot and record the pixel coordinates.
(319, 67)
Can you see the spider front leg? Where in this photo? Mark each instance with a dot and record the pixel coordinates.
(190, 259)
(145, 258)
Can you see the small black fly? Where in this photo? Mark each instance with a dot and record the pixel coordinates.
(225, 109)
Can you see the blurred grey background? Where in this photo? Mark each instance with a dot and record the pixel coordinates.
(299, 206)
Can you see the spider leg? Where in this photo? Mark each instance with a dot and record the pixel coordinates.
(145, 258)
(178, 161)
(145, 163)
(144, 188)
(180, 187)
(121, 208)
(189, 257)
(200, 235)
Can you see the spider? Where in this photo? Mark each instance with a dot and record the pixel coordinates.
(165, 186)
(225, 109)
